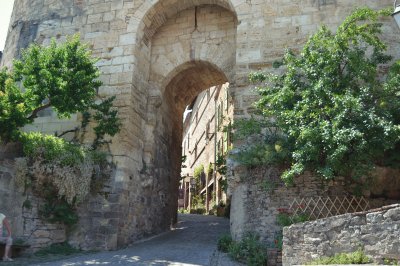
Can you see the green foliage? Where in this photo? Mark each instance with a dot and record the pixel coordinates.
(249, 250)
(19, 242)
(198, 171)
(56, 209)
(13, 110)
(266, 153)
(198, 205)
(285, 219)
(63, 75)
(339, 114)
(57, 249)
(247, 127)
(390, 262)
(183, 211)
(107, 121)
(198, 202)
(52, 148)
(357, 257)
(183, 161)
(224, 242)
(210, 169)
(27, 204)
(199, 210)
(264, 144)
(221, 164)
(224, 184)
(72, 174)
(278, 241)
(268, 185)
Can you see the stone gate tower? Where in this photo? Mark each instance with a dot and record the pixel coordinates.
(155, 57)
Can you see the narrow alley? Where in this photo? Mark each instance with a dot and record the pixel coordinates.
(192, 242)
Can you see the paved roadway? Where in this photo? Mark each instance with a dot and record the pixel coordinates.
(192, 243)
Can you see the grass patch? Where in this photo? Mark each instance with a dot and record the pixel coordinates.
(357, 257)
(224, 242)
(249, 250)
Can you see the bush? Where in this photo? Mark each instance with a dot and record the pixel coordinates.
(285, 219)
(249, 250)
(357, 257)
(224, 242)
(52, 149)
(60, 172)
(333, 103)
(390, 262)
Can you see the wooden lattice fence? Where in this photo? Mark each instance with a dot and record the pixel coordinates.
(323, 207)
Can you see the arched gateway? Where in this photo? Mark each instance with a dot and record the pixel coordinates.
(156, 56)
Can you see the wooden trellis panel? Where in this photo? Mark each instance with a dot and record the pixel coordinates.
(323, 207)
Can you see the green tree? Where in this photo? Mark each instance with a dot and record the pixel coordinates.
(62, 76)
(338, 108)
(65, 78)
(13, 110)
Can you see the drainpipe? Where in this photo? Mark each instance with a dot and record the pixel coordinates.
(215, 145)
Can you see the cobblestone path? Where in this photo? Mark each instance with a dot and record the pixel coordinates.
(191, 243)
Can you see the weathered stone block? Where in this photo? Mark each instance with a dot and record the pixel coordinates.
(377, 236)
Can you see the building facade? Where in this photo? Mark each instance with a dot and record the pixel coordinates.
(206, 142)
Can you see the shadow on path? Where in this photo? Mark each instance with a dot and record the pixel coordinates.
(192, 242)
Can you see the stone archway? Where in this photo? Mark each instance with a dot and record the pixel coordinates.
(166, 128)
(191, 51)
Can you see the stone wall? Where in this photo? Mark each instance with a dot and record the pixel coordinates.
(98, 223)
(255, 206)
(26, 225)
(258, 198)
(376, 231)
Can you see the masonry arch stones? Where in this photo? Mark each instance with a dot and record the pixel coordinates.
(154, 13)
(182, 48)
(150, 18)
(174, 40)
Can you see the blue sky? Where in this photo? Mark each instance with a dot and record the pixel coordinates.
(5, 14)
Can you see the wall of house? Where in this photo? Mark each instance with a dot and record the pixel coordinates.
(204, 140)
(376, 232)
